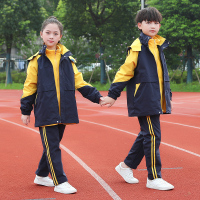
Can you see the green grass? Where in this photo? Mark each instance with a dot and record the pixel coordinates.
(183, 87)
(14, 86)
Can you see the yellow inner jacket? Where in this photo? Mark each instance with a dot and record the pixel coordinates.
(126, 71)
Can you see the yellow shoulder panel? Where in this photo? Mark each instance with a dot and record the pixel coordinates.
(136, 45)
(72, 59)
(33, 56)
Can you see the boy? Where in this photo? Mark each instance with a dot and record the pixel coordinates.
(148, 95)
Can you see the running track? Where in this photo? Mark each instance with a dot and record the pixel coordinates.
(92, 149)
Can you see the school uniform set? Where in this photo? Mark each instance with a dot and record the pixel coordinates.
(52, 78)
(148, 95)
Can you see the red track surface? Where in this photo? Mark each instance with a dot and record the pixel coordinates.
(92, 149)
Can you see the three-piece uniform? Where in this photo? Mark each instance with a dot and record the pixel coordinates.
(52, 78)
(148, 95)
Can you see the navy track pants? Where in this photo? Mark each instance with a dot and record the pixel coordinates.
(51, 157)
(147, 144)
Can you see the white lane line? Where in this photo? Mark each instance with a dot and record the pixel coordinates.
(94, 174)
(175, 147)
(175, 113)
(181, 124)
(185, 98)
(162, 168)
(112, 113)
(84, 165)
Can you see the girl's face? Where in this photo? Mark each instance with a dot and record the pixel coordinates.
(149, 28)
(51, 36)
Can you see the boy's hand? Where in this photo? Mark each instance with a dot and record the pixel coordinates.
(108, 101)
(25, 119)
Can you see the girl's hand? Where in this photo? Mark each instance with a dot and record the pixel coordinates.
(108, 101)
(25, 119)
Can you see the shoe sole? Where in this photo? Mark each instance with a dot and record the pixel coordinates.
(63, 192)
(159, 188)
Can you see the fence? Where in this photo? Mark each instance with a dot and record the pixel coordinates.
(15, 64)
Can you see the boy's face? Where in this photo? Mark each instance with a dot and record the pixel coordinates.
(149, 28)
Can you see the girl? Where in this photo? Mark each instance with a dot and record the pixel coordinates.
(52, 78)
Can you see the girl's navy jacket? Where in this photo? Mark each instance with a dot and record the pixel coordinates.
(44, 99)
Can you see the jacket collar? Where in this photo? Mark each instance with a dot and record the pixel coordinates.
(64, 50)
(144, 39)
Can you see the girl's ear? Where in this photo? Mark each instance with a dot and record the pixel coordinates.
(60, 38)
(41, 34)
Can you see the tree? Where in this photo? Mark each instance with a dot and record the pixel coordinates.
(18, 19)
(50, 6)
(105, 22)
(181, 26)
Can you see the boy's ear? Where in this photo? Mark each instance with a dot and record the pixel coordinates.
(139, 25)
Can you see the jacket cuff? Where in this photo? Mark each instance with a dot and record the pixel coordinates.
(24, 112)
(110, 94)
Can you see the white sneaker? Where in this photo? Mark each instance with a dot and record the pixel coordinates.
(126, 173)
(65, 188)
(45, 181)
(159, 184)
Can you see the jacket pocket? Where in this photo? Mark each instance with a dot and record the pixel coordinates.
(36, 98)
(136, 88)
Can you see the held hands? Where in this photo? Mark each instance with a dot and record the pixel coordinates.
(107, 101)
(25, 119)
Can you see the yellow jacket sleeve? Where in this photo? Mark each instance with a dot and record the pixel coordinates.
(126, 71)
(79, 82)
(30, 85)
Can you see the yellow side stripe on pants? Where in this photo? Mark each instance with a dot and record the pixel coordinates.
(153, 149)
(49, 156)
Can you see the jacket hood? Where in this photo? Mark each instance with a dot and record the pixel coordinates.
(64, 51)
(144, 39)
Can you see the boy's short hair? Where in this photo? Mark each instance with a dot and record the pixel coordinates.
(148, 14)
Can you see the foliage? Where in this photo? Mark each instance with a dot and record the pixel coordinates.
(32, 47)
(102, 22)
(181, 26)
(95, 77)
(83, 50)
(18, 18)
(49, 6)
(17, 77)
(93, 19)
(183, 87)
(179, 76)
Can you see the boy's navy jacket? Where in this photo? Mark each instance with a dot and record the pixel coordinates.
(46, 108)
(145, 100)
